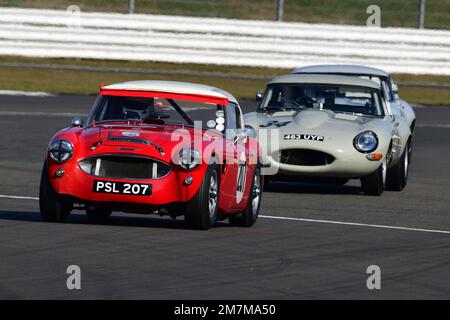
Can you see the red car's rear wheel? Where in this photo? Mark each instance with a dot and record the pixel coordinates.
(251, 212)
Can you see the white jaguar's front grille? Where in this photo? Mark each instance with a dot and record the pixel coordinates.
(304, 157)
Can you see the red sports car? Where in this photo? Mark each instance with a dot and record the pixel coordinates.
(169, 148)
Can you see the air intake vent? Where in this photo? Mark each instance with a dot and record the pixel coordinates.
(304, 157)
(129, 140)
(124, 167)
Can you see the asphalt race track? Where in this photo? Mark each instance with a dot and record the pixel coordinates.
(317, 254)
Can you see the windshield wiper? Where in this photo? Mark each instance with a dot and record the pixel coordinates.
(358, 114)
(295, 108)
(269, 108)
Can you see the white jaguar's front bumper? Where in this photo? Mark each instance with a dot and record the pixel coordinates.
(344, 164)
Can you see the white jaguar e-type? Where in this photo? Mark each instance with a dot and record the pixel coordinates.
(332, 128)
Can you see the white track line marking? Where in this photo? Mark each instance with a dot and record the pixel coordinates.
(25, 93)
(435, 125)
(301, 220)
(18, 197)
(356, 224)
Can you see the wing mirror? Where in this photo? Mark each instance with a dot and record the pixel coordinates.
(259, 95)
(240, 136)
(77, 122)
(394, 88)
(250, 132)
(395, 91)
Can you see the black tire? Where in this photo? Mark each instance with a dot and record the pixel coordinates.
(53, 207)
(198, 214)
(267, 184)
(410, 150)
(251, 212)
(98, 215)
(375, 183)
(397, 176)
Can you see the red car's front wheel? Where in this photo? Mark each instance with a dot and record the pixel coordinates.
(53, 207)
(202, 209)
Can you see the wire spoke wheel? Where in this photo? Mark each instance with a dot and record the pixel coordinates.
(256, 194)
(213, 194)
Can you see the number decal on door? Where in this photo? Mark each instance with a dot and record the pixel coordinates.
(241, 178)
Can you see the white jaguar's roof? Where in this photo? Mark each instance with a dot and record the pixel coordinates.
(325, 79)
(349, 69)
(173, 87)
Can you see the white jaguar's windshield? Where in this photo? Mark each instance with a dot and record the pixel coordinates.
(348, 99)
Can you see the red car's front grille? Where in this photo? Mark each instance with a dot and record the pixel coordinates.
(124, 167)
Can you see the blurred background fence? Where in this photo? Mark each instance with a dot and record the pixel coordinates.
(213, 41)
(394, 13)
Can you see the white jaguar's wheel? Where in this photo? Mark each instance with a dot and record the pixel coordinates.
(397, 176)
(375, 183)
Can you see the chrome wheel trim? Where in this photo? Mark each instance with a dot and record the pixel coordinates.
(256, 193)
(213, 194)
(406, 163)
(384, 172)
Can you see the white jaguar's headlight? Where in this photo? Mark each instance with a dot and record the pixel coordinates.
(366, 141)
(189, 158)
(60, 150)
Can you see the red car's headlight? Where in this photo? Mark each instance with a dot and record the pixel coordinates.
(189, 158)
(60, 150)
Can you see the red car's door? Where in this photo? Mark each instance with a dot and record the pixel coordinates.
(235, 179)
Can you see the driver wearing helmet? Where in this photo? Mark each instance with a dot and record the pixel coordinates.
(139, 109)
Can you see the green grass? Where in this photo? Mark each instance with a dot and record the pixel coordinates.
(398, 13)
(83, 82)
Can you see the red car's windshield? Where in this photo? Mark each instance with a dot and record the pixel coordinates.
(110, 108)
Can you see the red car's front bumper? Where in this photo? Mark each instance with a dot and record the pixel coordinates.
(166, 190)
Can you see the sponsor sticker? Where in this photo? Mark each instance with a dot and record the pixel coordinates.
(211, 124)
(220, 120)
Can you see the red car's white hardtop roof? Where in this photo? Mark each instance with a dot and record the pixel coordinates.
(184, 88)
